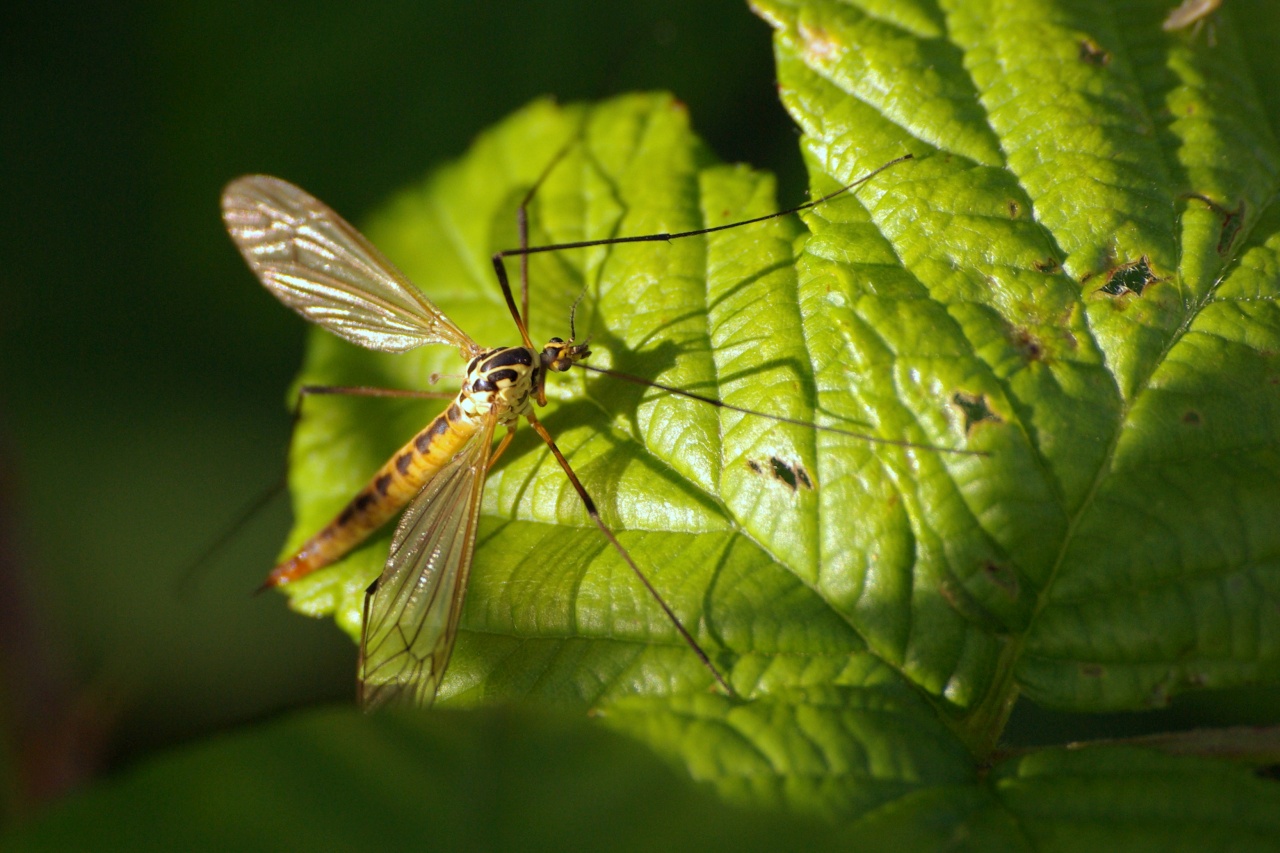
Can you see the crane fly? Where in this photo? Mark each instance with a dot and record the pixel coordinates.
(319, 265)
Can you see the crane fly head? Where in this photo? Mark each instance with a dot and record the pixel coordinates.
(558, 355)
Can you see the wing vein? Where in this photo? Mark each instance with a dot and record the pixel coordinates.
(415, 606)
(315, 262)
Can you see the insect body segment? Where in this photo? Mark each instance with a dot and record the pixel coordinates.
(386, 493)
(499, 382)
(502, 380)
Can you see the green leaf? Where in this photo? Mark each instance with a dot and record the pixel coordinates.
(1076, 276)
(1106, 798)
(512, 779)
(1103, 280)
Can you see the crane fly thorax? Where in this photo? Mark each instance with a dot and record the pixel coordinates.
(503, 379)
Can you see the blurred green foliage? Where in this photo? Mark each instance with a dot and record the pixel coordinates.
(334, 780)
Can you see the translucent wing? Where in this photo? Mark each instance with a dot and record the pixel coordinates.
(323, 268)
(411, 611)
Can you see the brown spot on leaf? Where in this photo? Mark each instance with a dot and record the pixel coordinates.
(1232, 220)
(967, 606)
(818, 43)
(1003, 577)
(1028, 344)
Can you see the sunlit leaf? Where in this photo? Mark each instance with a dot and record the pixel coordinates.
(1075, 276)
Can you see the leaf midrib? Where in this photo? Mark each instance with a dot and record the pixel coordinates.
(999, 701)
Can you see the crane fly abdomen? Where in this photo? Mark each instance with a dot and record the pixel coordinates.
(500, 379)
(386, 493)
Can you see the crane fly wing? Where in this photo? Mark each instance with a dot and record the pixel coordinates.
(412, 610)
(315, 262)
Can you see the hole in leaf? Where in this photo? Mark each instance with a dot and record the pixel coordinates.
(974, 408)
(1048, 265)
(1133, 277)
(793, 476)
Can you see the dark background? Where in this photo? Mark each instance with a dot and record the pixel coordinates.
(142, 371)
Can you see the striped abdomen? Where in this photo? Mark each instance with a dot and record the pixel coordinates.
(386, 493)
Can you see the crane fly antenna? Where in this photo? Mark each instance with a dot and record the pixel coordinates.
(573, 314)
(874, 439)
